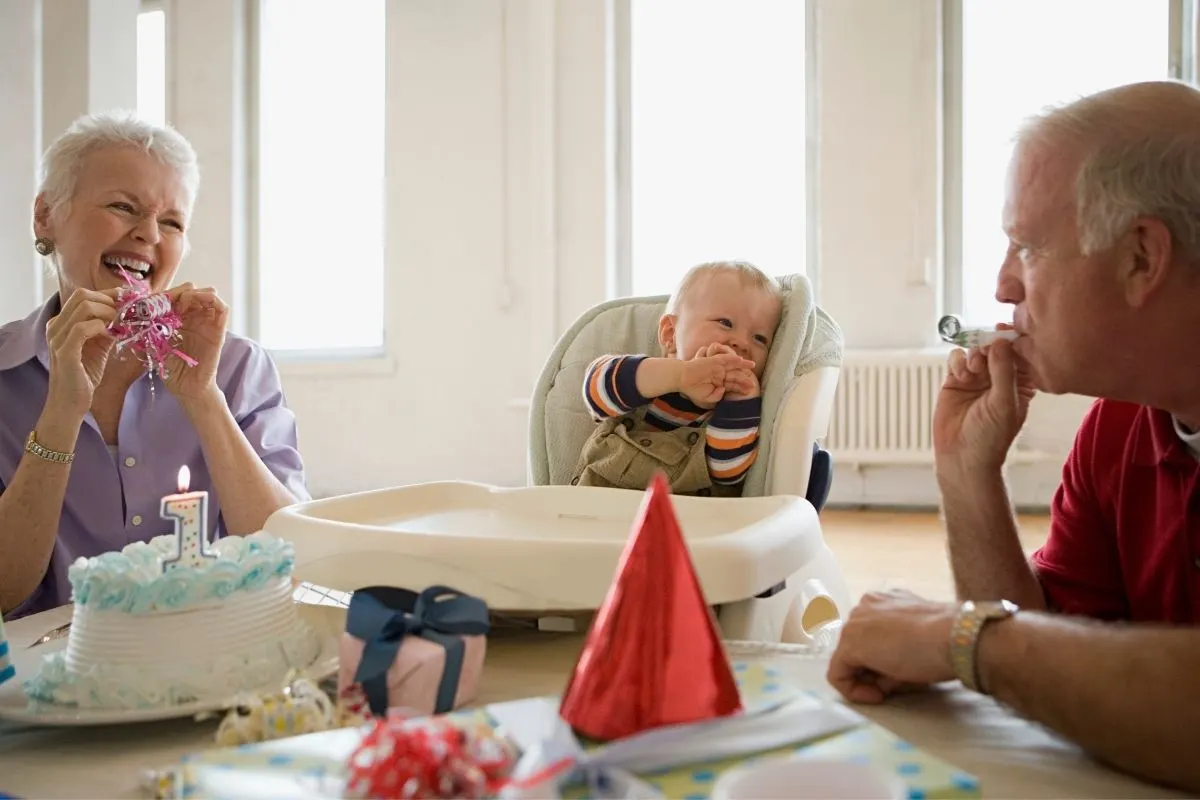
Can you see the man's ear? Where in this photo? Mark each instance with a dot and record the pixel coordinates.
(666, 334)
(1146, 266)
(41, 217)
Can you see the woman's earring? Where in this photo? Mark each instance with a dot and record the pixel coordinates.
(43, 245)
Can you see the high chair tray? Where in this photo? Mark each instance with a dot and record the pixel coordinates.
(544, 548)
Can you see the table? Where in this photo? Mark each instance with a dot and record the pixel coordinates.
(1011, 757)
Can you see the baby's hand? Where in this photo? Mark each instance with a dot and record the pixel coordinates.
(741, 385)
(704, 377)
(715, 349)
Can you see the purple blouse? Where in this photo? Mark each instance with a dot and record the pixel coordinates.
(112, 498)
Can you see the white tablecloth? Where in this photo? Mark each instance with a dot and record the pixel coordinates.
(1011, 757)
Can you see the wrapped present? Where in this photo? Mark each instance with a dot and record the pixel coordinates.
(422, 652)
(7, 670)
(924, 775)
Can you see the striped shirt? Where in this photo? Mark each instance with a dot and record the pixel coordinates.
(730, 429)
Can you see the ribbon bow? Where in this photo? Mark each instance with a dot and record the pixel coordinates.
(381, 616)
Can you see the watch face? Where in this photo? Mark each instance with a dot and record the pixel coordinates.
(990, 609)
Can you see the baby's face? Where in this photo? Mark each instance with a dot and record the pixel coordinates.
(723, 309)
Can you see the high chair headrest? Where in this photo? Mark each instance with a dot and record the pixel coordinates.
(807, 339)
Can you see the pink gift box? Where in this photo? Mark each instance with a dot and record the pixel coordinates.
(426, 630)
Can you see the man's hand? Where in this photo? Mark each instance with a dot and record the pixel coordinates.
(982, 405)
(893, 641)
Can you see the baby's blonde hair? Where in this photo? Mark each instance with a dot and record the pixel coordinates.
(750, 275)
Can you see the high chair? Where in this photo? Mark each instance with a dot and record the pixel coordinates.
(551, 550)
(799, 384)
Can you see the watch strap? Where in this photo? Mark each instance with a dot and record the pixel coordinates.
(968, 624)
(34, 447)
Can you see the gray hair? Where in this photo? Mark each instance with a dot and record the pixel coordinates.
(64, 158)
(750, 275)
(1139, 148)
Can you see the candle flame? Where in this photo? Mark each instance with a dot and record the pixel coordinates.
(185, 478)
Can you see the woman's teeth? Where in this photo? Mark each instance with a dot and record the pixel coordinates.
(121, 264)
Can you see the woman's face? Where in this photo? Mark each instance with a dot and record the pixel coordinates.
(129, 211)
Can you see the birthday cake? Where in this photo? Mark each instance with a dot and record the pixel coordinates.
(144, 636)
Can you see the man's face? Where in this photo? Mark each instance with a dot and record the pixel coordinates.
(1067, 306)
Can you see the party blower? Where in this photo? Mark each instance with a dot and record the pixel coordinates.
(951, 329)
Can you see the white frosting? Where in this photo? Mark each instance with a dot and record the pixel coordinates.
(134, 581)
(146, 638)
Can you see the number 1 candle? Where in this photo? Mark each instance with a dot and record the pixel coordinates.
(189, 511)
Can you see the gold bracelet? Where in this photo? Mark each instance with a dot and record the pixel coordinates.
(34, 447)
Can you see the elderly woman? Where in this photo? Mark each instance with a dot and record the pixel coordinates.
(88, 444)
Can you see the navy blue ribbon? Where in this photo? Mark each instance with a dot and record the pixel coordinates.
(381, 616)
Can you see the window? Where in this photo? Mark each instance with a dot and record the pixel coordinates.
(320, 175)
(1019, 56)
(152, 66)
(717, 137)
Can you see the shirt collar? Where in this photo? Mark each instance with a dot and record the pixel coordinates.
(1159, 442)
(27, 338)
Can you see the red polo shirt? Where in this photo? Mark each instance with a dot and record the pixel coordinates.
(1124, 538)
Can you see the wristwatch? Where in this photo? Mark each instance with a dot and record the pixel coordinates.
(34, 447)
(972, 618)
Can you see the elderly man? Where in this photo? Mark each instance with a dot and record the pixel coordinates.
(1091, 638)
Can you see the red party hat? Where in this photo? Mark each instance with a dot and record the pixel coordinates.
(653, 656)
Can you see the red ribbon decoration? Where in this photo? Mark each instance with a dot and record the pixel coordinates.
(427, 758)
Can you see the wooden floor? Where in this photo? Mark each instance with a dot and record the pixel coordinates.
(895, 549)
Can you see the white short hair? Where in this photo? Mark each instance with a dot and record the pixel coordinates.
(64, 158)
(1130, 165)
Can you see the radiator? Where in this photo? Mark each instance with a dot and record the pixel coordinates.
(883, 408)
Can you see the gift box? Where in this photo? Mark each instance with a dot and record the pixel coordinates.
(422, 652)
(315, 765)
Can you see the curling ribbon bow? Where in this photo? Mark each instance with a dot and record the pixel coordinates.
(381, 616)
(556, 759)
(147, 324)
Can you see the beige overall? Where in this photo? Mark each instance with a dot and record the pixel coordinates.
(624, 453)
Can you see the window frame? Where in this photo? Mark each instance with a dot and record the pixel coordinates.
(324, 361)
(619, 280)
(1180, 54)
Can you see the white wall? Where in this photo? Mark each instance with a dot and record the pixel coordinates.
(499, 175)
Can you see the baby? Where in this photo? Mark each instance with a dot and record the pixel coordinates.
(694, 412)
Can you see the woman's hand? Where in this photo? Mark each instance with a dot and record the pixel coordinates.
(205, 317)
(80, 346)
(982, 406)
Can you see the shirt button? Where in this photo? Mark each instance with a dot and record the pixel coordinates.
(137, 519)
(130, 461)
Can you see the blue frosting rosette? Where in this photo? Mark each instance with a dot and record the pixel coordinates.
(133, 580)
